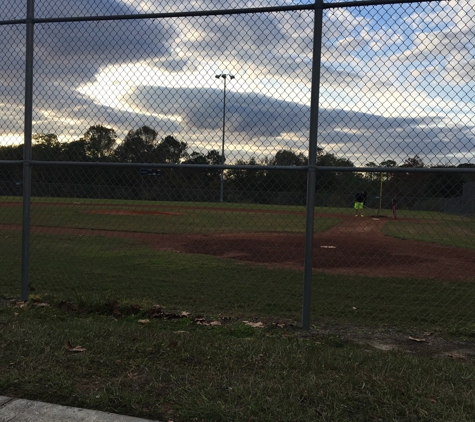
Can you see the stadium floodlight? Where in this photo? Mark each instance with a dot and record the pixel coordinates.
(224, 76)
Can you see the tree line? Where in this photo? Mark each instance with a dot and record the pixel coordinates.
(143, 145)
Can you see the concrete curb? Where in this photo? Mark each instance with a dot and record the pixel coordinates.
(19, 410)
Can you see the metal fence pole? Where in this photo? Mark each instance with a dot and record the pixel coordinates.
(25, 248)
(312, 164)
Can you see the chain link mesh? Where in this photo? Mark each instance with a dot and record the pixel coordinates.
(216, 110)
(89, 8)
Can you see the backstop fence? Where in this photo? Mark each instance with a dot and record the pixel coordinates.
(311, 161)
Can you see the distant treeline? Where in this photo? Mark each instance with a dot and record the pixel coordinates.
(100, 144)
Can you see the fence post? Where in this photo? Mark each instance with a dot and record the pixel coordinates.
(28, 126)
(312, 164)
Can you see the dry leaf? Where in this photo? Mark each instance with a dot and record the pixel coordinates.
(68, 307)
(42, 305)
(76, 349)
(20, 304)
(114, 308)
(215, 323)
(254, 324)
(134, 309)
(155, 311)
(185, 314)
(457, 356)
(417, 339)
(143, 321)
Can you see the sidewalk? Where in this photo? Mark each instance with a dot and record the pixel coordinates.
(19, 410)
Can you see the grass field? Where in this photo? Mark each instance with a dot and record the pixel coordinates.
(185, 217)
(141, 216)
(459, 233)
(178, 370)
(92, 270)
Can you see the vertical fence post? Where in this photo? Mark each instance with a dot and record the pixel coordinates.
(28, 125)
(312, 164)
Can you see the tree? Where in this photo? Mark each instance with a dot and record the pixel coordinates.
(169, 150)
(445, 185)
(371, 176)
(75, 150)
(413, 162)
(248, 181)
(138, 146)
(412, 186)
(203, 177)
(286, 157)
(46, 147)
(99, 142)
(388, 164)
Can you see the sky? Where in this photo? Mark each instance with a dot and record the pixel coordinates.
(396, 80)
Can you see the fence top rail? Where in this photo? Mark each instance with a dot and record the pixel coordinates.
(11, 162)
(242, 167)
(269, 9)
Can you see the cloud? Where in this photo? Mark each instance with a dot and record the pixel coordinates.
(68, 55)
(201, 108)
(364, 136)
(385, 71)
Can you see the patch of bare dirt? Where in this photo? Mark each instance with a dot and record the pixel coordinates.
(354, 247)
(129, 212)
(388, 339)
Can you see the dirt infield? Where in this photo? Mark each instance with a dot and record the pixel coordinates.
(356, 246)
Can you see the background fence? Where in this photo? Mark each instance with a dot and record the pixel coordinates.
(206, 157)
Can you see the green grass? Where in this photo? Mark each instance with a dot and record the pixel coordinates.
(168, 217)
(92, 270)
(450, 233)
(176, 370)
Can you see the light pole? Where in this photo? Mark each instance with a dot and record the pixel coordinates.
(224, 76)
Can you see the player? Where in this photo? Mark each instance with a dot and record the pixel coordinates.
(360, 201)
(393, 205)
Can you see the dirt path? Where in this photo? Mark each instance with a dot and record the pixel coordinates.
(356, 246)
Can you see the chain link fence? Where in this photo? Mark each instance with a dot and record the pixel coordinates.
(312, 162)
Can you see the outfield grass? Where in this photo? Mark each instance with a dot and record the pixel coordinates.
(186, 217)
(92, 270)
(177, 370)
(164, 217)
(450, 233)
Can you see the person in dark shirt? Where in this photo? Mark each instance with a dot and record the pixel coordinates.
(393, 205)
(360, 201)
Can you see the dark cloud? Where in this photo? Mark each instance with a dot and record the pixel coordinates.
(343, 132)
(68, 55)
(73, 8)
(75, 51)
(202, 108)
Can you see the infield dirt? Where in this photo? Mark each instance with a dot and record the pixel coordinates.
(356, 246)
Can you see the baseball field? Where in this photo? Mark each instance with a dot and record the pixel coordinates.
(245, 260)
